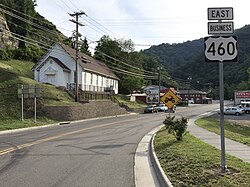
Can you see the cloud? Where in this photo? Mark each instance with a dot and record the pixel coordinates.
(143, 21)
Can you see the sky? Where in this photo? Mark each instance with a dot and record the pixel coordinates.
(145, 22)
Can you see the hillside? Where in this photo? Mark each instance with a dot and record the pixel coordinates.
(14, 73)
(21, 19)
(172, 56)
(187, 59)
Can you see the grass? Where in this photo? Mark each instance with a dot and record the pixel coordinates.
(195, 163)
(16, 124)
(14, 73)
(233, 131)
(125, 100)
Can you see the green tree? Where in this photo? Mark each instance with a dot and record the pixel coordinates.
(130, 84)
(126, 45)
(116, 54)
(85, 47)
(107, 46)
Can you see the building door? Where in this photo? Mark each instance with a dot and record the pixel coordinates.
(51, 79)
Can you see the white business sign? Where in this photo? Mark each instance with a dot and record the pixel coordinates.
(225, 13)
(152, 95)
(220, 27)
(221, 49)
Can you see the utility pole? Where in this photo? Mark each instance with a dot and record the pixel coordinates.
(159, 82)
(189, 87)
(76, 15)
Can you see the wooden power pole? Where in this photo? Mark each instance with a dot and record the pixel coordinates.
(76, 15)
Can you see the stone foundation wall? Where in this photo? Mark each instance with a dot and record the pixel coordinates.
(92, 109)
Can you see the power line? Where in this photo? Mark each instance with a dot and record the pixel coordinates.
(32, 40)
(132, 74)
(73, 4)
(60, 6)
(118, 70)
(116, 60)
(66, 5)
(125, 63)
(102, 26)
(28, 21)
(48, 39)
(26, 15)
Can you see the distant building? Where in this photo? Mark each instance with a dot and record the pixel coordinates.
(241, 96)
(151, 94)
(194, 96)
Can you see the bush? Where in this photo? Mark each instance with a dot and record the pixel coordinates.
(176, 127)
(31, 53)
(5, 54)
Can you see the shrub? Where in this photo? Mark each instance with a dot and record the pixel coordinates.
(177, 127)
(5, 54)
(31, 53)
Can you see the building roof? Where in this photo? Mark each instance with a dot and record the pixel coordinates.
(191, 92)
(89, 63)
(154, 87)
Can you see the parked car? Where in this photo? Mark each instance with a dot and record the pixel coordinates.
(161, 108)
(150, 109)
(234, 111)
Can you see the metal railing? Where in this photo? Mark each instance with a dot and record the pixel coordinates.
(90, 92)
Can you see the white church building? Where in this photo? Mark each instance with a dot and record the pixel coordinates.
(58, 66)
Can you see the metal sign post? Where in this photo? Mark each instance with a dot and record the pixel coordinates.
(222, 135)
(22, 102)
(221, 49)
(35, 109)
(29, 91)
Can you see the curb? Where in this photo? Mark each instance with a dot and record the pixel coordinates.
(163, 179)
(147, 169)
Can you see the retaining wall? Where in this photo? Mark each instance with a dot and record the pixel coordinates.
(92, 109)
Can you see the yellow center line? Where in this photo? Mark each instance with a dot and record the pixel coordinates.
(11, 149)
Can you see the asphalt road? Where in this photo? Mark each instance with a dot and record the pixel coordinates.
(90, 153)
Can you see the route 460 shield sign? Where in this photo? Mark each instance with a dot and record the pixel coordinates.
(221, 49)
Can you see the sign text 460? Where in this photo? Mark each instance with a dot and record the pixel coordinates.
(221, 49)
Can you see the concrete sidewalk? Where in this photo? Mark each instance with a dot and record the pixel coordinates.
(233, 148)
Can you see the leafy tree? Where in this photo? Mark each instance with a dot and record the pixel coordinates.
(107, 46)
(117, 52)
(126, 45)
(85, 47)
(130, 84)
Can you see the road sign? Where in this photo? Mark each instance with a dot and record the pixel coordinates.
(220, 27)
(221, 49)
(152, 96)
(225, 13)
(170, 99)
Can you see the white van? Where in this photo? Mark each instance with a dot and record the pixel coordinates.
(245, 105)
